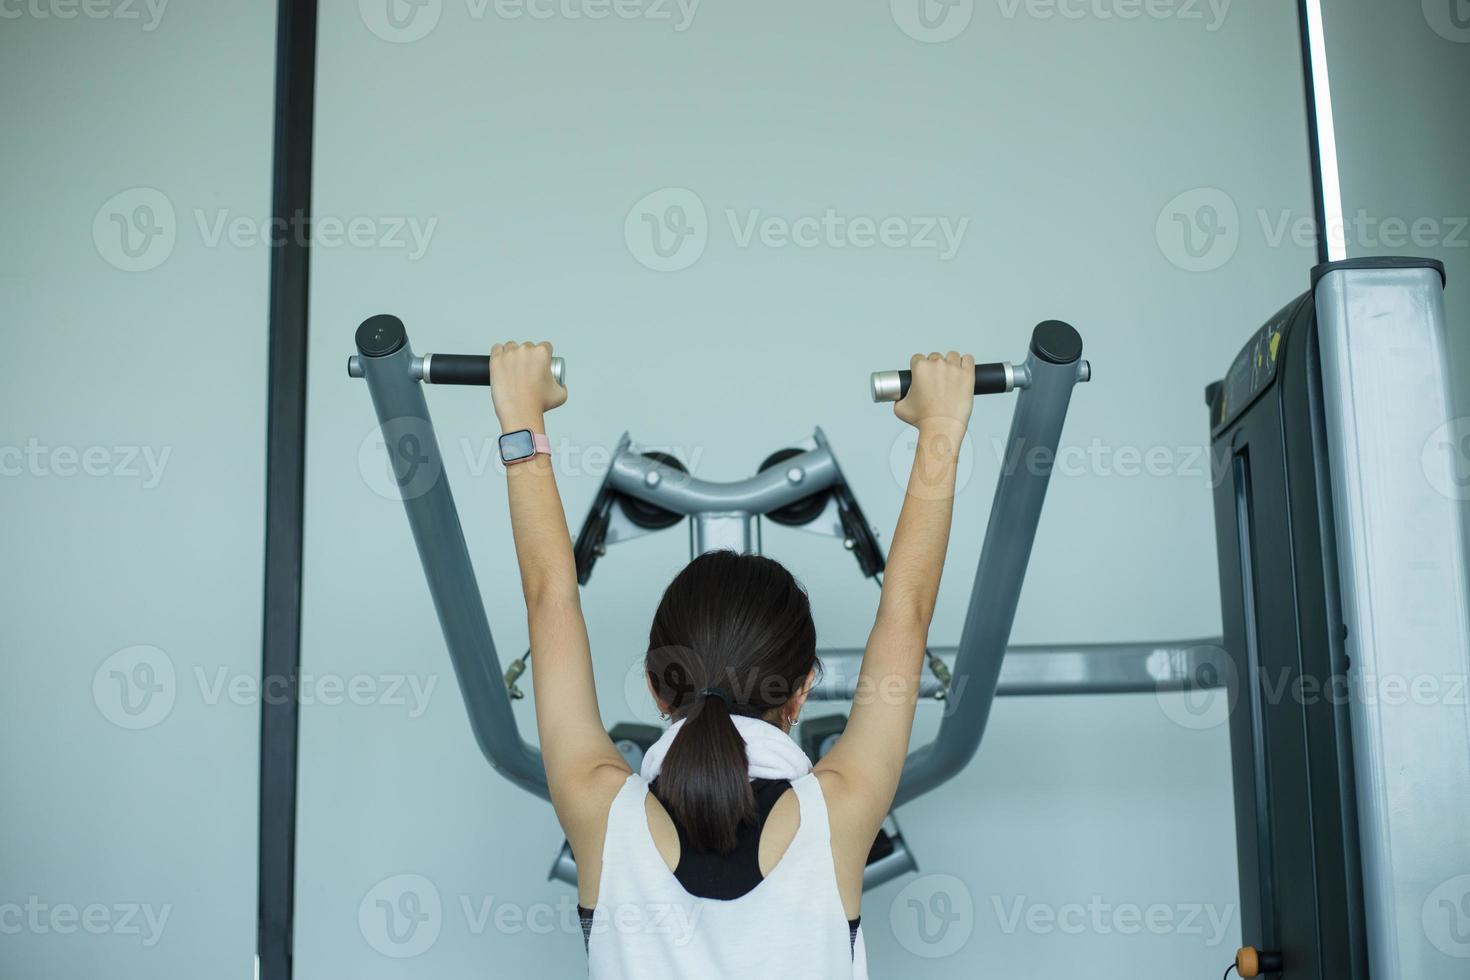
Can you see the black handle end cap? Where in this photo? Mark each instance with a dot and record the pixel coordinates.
(1056, 342)
(381, 335)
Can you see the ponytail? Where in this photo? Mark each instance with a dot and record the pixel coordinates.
(743, 623)
(704, 780)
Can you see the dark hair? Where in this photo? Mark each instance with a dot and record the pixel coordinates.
(733, 625)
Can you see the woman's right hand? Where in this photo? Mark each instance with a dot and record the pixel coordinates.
(941, 390)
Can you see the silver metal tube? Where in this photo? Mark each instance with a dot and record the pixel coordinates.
(1064, 668)
(418, 469)
(648, 479)
(1036, 428)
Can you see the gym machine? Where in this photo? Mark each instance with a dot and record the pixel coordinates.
(1342, 581)
(801, 487)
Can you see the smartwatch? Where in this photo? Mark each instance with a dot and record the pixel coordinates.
(522, 444)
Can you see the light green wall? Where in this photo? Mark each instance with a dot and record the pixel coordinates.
(131, 486)
(1068, 145)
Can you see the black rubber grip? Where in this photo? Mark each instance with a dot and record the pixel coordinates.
(458, 369)
(990, 379)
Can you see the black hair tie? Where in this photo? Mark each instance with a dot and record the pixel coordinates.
(715, 692)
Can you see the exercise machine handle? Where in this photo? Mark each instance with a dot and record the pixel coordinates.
(472, 369)
(990, 379)
(1052, 342)
(381, 335)
(456, 369)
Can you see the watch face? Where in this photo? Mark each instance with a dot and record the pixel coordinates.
(515, 446)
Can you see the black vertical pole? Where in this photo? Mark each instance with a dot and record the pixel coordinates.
(285, 482)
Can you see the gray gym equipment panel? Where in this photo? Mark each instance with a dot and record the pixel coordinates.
(1402, 576)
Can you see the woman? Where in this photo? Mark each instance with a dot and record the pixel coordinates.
(729, 854)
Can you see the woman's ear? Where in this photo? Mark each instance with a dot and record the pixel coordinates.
(798, 701)
(663, 707)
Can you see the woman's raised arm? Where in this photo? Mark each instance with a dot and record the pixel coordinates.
(865, 764)
(574, 743)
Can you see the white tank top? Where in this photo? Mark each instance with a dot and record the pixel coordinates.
(791, 925)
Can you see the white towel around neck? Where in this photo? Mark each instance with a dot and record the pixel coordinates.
(772, 753)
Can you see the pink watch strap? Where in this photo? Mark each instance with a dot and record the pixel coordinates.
(540, 443)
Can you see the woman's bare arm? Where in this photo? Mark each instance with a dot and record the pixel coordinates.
(865, 764)
(574, 743)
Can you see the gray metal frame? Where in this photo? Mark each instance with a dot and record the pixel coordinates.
(724, 515)
(727, 515)
(1041, 669)
(413, 449)
(1015, 512)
